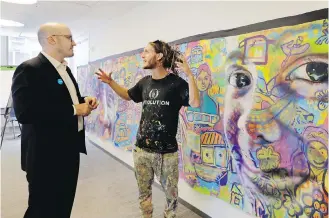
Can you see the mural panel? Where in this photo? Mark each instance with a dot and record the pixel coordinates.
(259, 139)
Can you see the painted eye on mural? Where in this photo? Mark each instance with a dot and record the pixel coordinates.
(239, 80)
(308, 76)
(314, 72)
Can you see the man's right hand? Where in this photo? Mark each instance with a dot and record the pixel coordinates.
(121, 91)
(83, 109)
(102, 76)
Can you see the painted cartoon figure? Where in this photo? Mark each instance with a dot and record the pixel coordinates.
(203, 82)
(207, 113)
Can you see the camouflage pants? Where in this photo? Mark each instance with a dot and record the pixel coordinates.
(165, 167)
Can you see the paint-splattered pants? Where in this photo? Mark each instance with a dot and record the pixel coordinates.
(165, 167)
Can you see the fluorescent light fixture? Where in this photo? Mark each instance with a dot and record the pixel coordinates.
(10, 23)
(24, 2)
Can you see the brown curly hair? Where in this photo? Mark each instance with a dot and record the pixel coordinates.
(170, 55)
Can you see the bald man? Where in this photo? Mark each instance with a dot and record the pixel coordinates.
(47, 101)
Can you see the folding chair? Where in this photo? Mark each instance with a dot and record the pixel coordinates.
(12, 118)
(9, 116)
(6, 116)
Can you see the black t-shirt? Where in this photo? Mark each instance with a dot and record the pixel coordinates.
(162, 100)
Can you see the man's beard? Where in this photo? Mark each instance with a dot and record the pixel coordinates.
(151, 65)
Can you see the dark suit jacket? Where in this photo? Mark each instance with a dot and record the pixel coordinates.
(44, 108)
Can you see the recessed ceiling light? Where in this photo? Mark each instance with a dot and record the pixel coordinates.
(24, 2)
(10, 23)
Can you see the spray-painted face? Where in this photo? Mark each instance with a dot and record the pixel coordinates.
(275, 107)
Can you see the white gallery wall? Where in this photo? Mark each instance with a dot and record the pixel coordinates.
(81, 53)
(171, 21)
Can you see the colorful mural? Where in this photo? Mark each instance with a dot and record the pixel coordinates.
(259, 139)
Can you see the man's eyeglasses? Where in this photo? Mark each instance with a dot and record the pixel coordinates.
(69, 37)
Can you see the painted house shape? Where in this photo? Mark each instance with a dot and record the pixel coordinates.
(214, 158)
(236, 196)
(214, 150)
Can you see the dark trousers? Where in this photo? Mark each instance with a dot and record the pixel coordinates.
(52, 187)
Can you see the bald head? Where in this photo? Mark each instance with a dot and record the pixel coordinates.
(50, 29)
(56, 40)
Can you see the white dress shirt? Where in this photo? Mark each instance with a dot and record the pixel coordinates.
(61, 69)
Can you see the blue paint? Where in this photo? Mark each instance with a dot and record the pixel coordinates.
(208, 185)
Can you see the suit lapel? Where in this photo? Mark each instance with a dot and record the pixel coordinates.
(52, 71)
(74, 81)
(54, 76)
